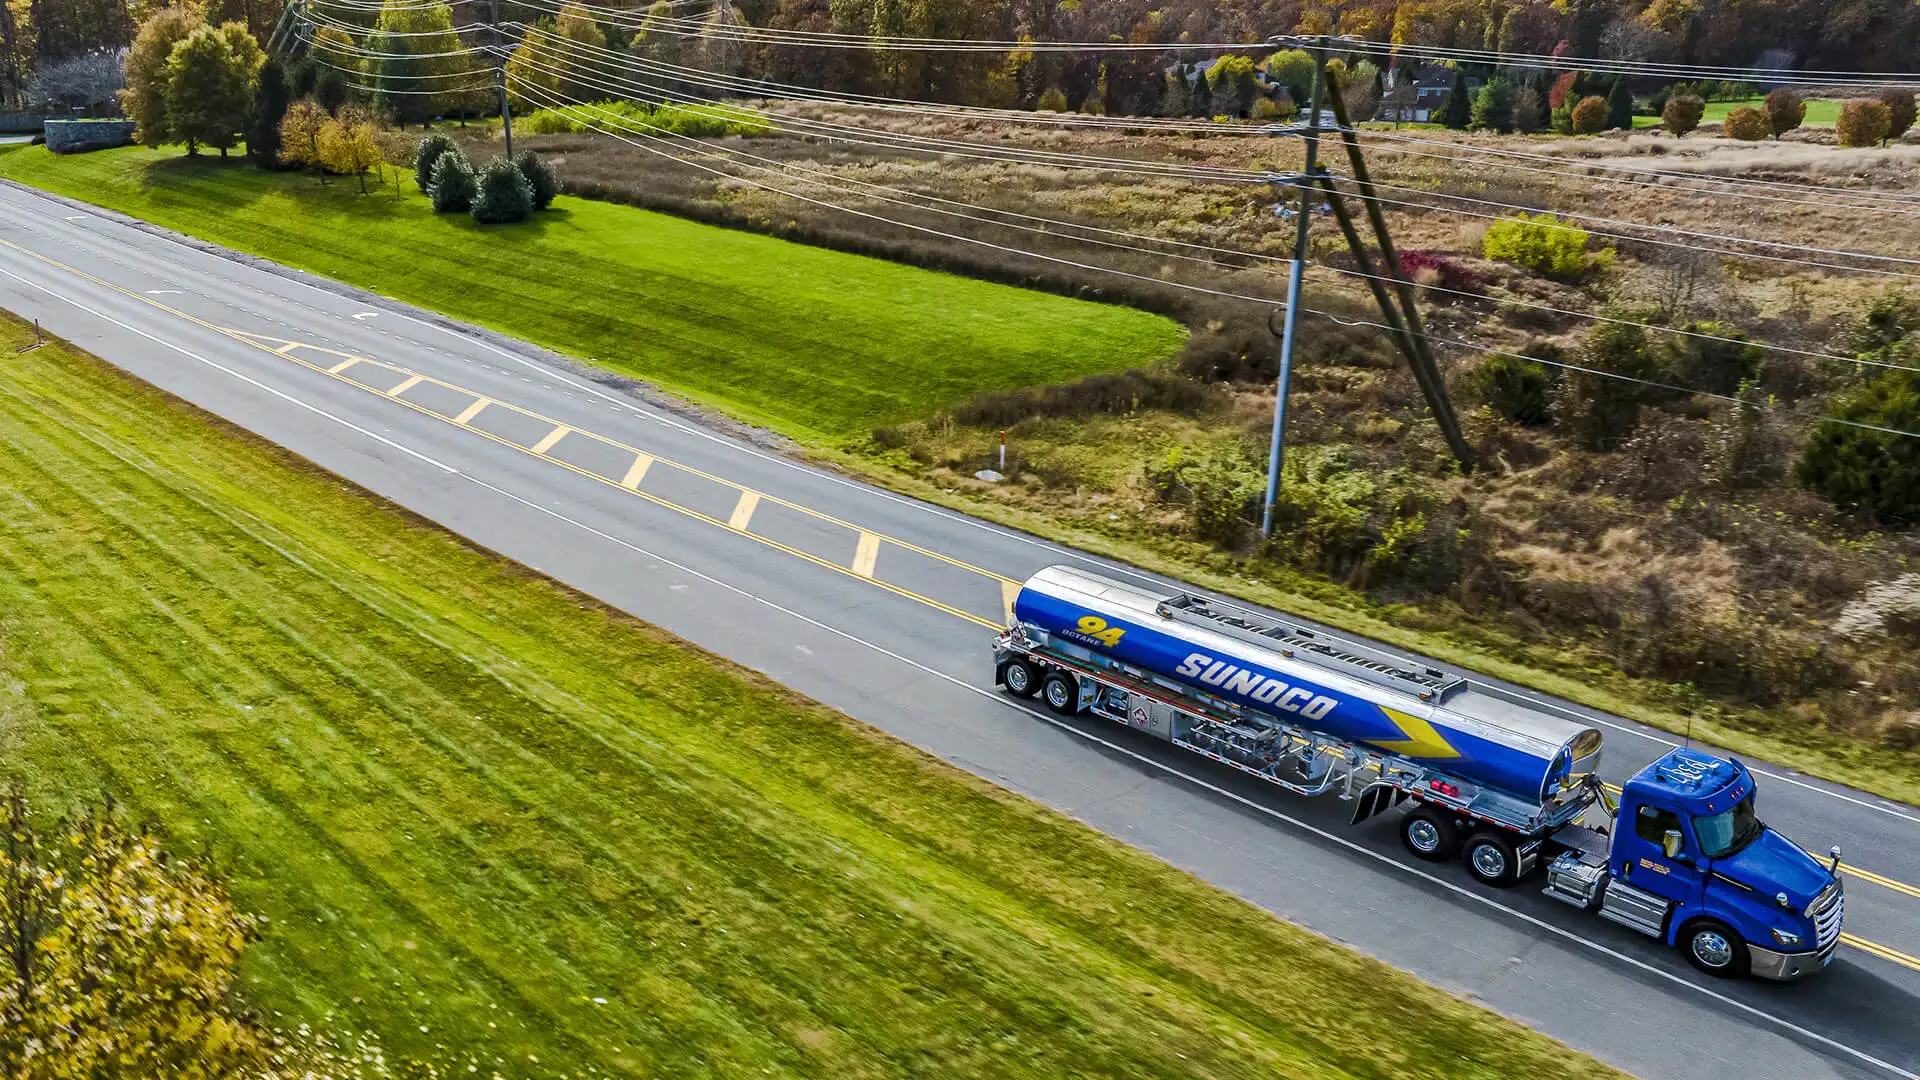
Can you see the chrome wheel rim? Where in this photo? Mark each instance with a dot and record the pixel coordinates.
(1018, 677)
(1058, 694)
(1424, 835)
(1489, 860)
(1712, 948)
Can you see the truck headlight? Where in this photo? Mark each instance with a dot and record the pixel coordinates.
(1786, 937)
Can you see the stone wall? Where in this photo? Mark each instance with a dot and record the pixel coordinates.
(21, 123)
(73, 136)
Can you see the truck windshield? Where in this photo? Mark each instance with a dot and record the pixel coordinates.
(1725, 833)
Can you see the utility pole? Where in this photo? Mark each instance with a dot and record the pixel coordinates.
(1290, 330)
(500, 73)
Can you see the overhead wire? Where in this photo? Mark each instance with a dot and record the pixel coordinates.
(662, 94)
(541, 93)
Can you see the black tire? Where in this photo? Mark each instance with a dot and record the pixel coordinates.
(1491, 859)
(1020, 678)
(1715, 948)
(1061, 693)
(1429, 835)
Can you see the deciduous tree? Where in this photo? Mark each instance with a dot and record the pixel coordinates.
(1747, 124)
(119, 957)
(1863, 122)
(145, 99)
(210, 78)
(300, 133)
(418, 76)
(1900, 112)
(1785, 110)
(1682, 113)
(349, 145)
(1590, 115)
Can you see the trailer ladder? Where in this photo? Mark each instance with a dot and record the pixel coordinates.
(1361, 661)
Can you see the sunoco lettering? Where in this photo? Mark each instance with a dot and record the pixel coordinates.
(1265, 689)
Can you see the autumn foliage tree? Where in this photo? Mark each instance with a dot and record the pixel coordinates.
(144, 101)
(349, 144)
(1590, 115)
(1900, 112)
(1747, 124)
(1863, 122)
(1785, 110)
(1682, 113)
(300, 133)
(119, 958)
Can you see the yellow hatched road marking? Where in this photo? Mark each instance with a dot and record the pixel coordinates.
(636, 472)
(864, 554)
(349, 360)
(743, 510)
(287, 347)
(411, 382)
(1881, 951)
(553, 438)
(466, 415)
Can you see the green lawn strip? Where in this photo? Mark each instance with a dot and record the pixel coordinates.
(1754, 733)
(816, 344)
(472, 802)
(1821, 112)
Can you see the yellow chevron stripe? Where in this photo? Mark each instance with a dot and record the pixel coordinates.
(1421, 740)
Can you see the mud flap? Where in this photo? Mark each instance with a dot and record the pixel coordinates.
(1377, 799)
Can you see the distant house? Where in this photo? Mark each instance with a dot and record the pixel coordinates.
(1418, 100)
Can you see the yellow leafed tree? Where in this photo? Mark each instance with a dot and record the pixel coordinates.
(119, 959)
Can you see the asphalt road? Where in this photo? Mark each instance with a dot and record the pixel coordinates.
(885, 608)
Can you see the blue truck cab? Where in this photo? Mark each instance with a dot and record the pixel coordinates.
(1689, 860)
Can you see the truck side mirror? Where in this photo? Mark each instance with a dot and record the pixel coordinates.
(1670, 843)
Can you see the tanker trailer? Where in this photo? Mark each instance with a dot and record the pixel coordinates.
(1478, 772)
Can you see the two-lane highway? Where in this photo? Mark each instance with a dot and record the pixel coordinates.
(884, 607)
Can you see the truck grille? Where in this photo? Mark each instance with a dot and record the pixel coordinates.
(1826, 912)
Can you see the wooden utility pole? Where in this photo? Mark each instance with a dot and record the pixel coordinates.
(1417, 348)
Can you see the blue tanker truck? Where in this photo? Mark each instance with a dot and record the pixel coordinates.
(1477, 773)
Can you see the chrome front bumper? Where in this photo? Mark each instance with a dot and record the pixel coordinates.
(1788, 966)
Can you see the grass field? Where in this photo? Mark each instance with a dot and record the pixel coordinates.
(487, 817)
(1821, 112)
(816, 344)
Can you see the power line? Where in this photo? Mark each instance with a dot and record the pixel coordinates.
(556, 101)
(661, 94)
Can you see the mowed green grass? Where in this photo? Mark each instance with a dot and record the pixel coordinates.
(817, 344)
(486, 816)
(1821, 112)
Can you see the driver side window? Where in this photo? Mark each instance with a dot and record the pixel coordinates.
(1652, 823)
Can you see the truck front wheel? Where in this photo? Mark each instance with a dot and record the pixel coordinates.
(1062, 693)
(1020, 678)
(1716, 948)
(1429, 835)
(1492, 860)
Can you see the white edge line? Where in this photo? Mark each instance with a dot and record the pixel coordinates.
(189, 354)
(650, 413)
(1453, 887)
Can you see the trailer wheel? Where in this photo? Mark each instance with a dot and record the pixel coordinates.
(1492, 860)
(1020, 678)
(1061, 693)
(1716, 948)
(1430, 835)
